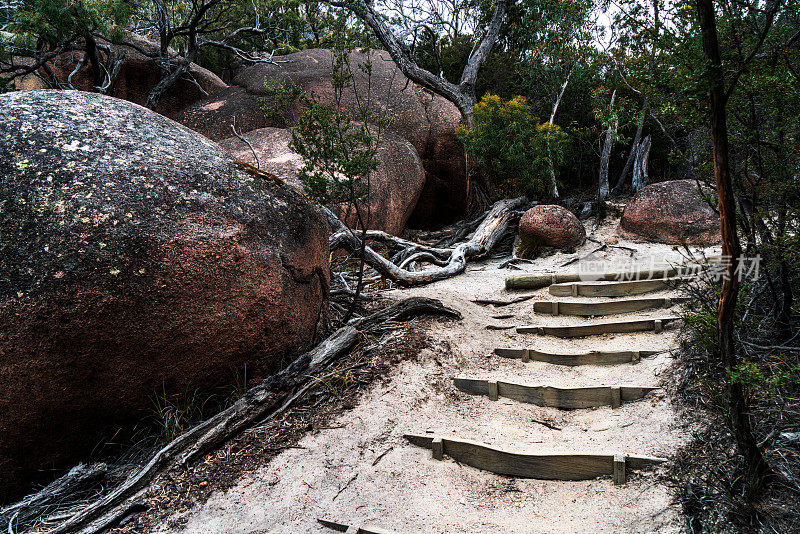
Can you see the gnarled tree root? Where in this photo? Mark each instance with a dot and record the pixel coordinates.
(449, 261)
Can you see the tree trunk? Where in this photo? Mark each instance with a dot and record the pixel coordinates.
(461, 94)
(98, 72)
(731, 248)
(632, 155)
(169, 80)
(606, 156)
(553, 184)
(641, 157)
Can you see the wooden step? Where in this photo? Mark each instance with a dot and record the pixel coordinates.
(594, 357)
(564, 399)
(353, 529)
(610, 327)
(551, 466)
(538, 281)
(613, 289)
(592, 309)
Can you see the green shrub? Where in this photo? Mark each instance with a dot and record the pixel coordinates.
(511, 145)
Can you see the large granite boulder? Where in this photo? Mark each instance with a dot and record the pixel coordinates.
(427, 121)
(135, 260)
(394, 187)
(549, 226)
(138, 75)
(671, 212)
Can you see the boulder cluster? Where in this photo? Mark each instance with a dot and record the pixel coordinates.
(141, 261)
(423, 121)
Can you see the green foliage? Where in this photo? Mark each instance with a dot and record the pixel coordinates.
(339, 154)
(510, 143)
(771, 381)
(703, 325)
(55, 21)
(279, 100)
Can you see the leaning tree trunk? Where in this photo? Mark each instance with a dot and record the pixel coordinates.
(640, 176)
(169, 80)
(462, 94)
(731, 248)
(553, 184)
(269, 398)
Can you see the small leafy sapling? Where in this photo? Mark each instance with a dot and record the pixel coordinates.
(339, 143)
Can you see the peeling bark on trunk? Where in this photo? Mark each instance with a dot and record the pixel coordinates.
(632, 155)
(642, 155)
(602, 192)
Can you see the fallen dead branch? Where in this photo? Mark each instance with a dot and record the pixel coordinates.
(448, 261)
(500, 303)
(51, 496)
(273, 395)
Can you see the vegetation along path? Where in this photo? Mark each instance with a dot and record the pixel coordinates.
(372, 467)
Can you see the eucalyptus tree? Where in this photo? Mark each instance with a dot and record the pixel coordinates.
(396, 23)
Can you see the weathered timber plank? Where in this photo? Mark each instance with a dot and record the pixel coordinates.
(552, 466)
(612, 289)
(538, 281)
(562, 398)
(363, 529)
(609, 327)
(591, 309)
(585, 358)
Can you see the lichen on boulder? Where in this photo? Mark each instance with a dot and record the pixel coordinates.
(135, 257)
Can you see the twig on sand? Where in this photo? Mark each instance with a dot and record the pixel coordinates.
(381, 455)
(551, 426)
(344, 487)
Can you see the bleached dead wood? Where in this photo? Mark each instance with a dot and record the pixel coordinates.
(43, 501)
(272, 395)
(362, 529)
(449, 262)
(640, 176)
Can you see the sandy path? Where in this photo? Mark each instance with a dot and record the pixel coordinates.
(336, 475)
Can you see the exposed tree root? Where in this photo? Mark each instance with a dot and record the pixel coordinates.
(272, 396)
(449, 261)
